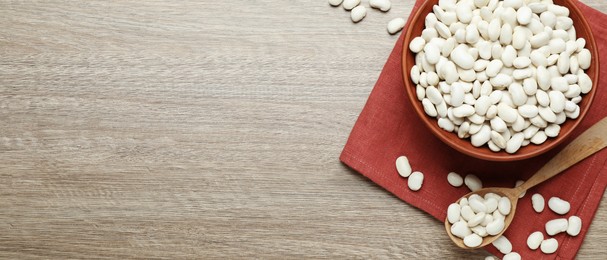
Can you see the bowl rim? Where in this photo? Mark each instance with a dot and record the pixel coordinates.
(450, 137)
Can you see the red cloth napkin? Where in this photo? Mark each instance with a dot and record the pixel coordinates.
(388, 128)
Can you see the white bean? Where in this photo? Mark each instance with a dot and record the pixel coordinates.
(556, 226)
(515, 143)
(504, 206)
(512, 256)
(548, 19)
(524, 15)
(453, 213)
(584, 58)
(463, 111)
(477, 206)
(429, 107)
(547, 114)
(473, 240)
(415, 181)
(464, 13)
(501, 81)
(575, 226)
(552, 130)
(442, 30)
(498, 124)
(383, 5)
(466, 212)
(395, 25)
(455, 179)
(476, 219)
(543, 77)
(538, 8)
(516, 4)
(460, 229)
(557, 45)
(539, 138)
(537, 200)
(503, 245)
(462, 58)
(491, 204)
(350, 4)
(549, 246)
(521, 62)
(482, 105)
(528, 111)
(534, 240)
(434, 95)
(558, 10)
(495, 227)
(480, 3)
(539, 39)
(584, 82)
(335, 2)
(494, 29)
(506, 113)
(445, 123)
(558, 205)
(472, 34)
(519, 97)
(403, 167)
(508, 16)
(417, 44)
(530, 131)
(563, 63)
(358, 13)
(506, 34)
(479, 230)
(557, 101)
(473, 183)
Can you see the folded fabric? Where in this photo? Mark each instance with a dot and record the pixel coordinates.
(388, 128)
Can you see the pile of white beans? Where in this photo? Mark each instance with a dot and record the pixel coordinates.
(502, 73)
(476, 217)
(358, 12)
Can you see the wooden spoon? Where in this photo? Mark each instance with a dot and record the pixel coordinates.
(591, 141)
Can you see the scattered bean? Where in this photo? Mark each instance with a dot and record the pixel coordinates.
(537, 200)
(395, 25)
(455, 179)
(350, 4)
(358, 13)
(549, 246)
(575, 226)
(403, 167)
(503, 245)
(383, 5)
(415, 181)
(335, 2)
(535, 239)
(556, 226)
(558, 205)
(512, 256)
(472, 182)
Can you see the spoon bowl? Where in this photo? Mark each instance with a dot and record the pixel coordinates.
(503, 192)
(591, 141)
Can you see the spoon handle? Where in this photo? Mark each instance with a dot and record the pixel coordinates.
(591, 141)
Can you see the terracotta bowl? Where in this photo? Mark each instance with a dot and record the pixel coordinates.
(464, 145)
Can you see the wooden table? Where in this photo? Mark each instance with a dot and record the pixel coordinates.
(198, 129)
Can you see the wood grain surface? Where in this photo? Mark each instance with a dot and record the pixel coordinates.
(198, 129)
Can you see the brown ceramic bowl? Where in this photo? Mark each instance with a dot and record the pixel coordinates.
(464, 145)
